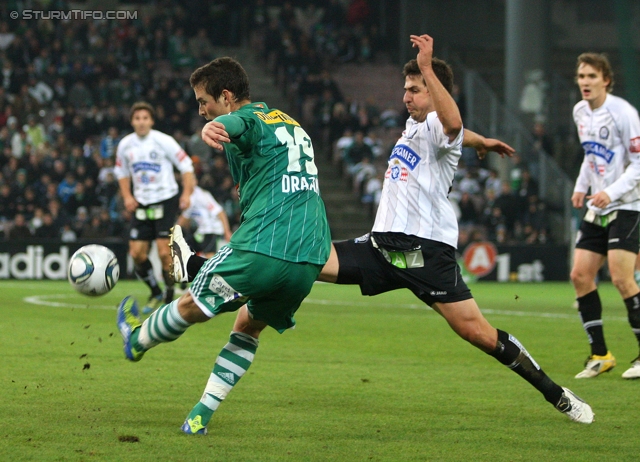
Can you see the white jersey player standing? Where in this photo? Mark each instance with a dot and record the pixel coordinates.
(145, 161)
(211, 220)
(413, 241)
(609, 131)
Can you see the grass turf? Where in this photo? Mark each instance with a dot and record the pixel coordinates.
(378, 378)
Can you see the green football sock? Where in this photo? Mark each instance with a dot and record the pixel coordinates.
(231, 364)
(164, 325)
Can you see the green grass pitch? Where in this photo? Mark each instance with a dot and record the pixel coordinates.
(360, 378)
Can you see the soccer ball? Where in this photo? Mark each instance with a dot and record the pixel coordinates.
(93, 270)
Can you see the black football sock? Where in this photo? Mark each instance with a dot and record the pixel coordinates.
(590, 309)
(512, 354)
(194, 264)
(144, 271)
(169, 286)
(633, 310)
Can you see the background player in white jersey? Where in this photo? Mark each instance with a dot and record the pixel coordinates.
(145, 160)
(211, 220)
(609, 131)
(414, 237)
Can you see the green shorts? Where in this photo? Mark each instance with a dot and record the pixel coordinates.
(273, 289)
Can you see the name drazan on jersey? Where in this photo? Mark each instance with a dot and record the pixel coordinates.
(292, 183)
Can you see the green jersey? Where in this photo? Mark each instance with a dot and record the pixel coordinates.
(271, 162)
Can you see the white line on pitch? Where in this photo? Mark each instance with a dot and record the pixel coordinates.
(44, 300)
(41, 300)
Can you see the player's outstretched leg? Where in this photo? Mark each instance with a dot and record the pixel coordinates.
(510, 352)
(164, 325)
(231, 364)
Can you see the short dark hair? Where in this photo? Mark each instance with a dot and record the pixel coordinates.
(222, 74)
(442, 70)
(142, 106)
(599, 62)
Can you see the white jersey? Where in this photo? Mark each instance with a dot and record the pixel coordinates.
(204, 210)
(610, 136)
(417, 182)
(149, 162)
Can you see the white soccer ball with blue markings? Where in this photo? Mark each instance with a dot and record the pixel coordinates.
(93, 270)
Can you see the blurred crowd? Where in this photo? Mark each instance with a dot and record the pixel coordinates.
(66, 88)
(65, 94)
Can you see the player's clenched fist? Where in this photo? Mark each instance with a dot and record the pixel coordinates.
(214, 133)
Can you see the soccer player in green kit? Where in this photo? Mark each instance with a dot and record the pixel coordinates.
(274, 257)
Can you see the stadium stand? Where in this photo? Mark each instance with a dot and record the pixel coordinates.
(67, 87)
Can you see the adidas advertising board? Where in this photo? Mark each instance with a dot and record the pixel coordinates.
(46, 260)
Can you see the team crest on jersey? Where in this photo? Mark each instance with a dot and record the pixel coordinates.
(153, 155)
(604, 133)
(598, 150)
(406, 155)
(397, 172)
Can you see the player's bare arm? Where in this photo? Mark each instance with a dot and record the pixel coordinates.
(484, 145)
(188, 185)
(214, 133)
(130, 203)
(443, 103)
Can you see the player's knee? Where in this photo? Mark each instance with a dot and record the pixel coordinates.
(624, 283)
(579, 277)
(138, 255)
(189, 310)
(475, 334)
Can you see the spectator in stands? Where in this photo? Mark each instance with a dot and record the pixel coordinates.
(35, 132)
(468, 212)
(67, 187)
(20, 230)
(356, 152)
(109, 143)
(48, 229)
(508, 205)
(542, 141)
(68, 234)
(95, 229)
(493, 183)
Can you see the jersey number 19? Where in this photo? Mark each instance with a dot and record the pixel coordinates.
(297, 144)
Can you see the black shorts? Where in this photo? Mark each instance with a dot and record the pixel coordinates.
(621, 233)
(425, 267)
(207, 243)
(144, 228)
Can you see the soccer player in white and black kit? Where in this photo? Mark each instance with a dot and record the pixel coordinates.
(145, 160)
(609, 131)
(211, 219)
(414, 237)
